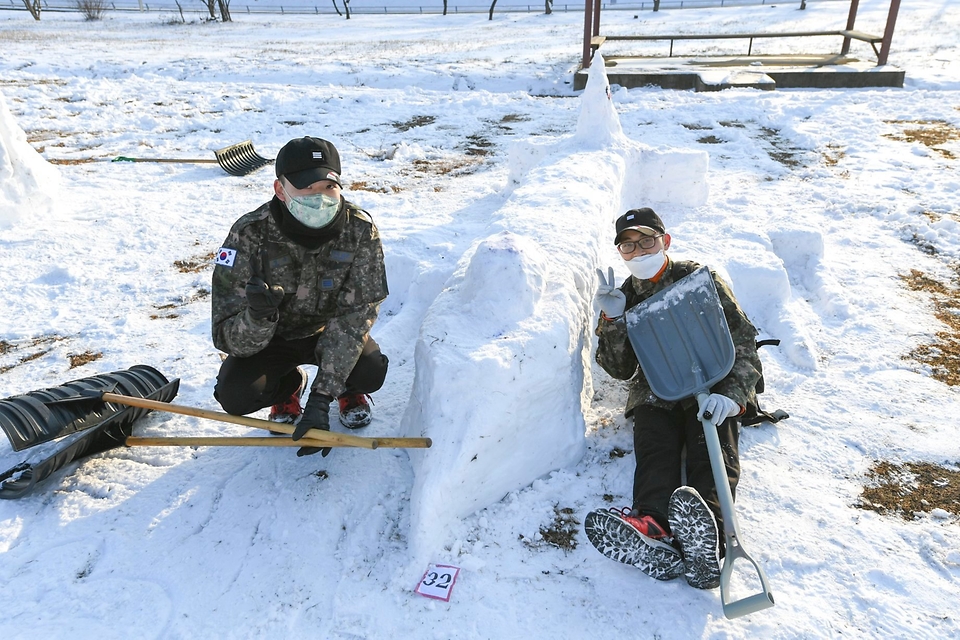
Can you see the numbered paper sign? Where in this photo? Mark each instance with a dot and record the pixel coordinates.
(438, 581)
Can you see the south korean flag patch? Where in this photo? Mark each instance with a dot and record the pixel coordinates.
(225, 257)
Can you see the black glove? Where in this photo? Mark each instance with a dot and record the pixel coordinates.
(316, 415)
(262, 299)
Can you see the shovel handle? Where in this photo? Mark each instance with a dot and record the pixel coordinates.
(341, 439)
(174, 160)
(731, 529)
(750, 604)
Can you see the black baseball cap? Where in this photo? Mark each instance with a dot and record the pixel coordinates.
(644, 220)
(303, 161)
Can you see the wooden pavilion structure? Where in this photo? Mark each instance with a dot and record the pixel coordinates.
(766, 72)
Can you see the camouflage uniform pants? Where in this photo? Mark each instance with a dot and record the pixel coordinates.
(245, 385)
(659, 438)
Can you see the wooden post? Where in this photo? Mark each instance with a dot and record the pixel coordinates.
(888, 32)
(851, 21)
(596, 18)
(587, 22)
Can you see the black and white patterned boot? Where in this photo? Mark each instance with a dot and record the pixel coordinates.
(695, 529)
(613, 536)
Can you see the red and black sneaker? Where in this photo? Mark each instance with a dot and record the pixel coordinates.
(636, 540)
(290, 410)
(354, 410)
(647, 525)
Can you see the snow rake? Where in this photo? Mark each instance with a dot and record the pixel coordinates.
(237, 159)
(683, 343)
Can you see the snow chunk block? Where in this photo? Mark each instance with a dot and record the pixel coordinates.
(504, 279)
(27, 181)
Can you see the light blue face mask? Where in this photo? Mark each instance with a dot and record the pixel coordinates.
(315, 211)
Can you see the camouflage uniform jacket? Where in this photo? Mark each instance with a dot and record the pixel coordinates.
(616, 355)
(334, 291)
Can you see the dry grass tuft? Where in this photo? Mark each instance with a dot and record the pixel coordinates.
(417, 121)
(195, 265)
(561, 533)
(834, 155)
(78, 360)
(929, 133)
(943, 354)
(911, 488)
(9, 347)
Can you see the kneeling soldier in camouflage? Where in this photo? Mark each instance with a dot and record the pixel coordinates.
(300, 281)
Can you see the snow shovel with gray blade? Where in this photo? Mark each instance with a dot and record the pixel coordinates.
(683, 343)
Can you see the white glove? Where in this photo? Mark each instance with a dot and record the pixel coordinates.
(610, 299)
(717, 408)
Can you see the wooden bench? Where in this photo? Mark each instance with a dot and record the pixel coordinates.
(597, 41)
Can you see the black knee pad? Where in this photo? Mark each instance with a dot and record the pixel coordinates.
(369, 373)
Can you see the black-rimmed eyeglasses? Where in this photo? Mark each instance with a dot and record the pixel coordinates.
(646, 242)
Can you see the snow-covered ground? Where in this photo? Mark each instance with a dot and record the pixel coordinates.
(817, 204)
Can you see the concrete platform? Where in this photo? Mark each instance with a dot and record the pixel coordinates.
(714, 73)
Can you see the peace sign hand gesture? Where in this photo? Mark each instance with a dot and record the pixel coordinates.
(610, 299)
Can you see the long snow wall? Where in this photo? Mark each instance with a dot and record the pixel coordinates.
(27, 182)
(510, 333)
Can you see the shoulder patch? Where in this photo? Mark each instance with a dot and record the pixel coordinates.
(362, 215)
(260, 213)
(225, 257)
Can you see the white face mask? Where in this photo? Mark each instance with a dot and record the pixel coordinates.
(645, 267)
(315, 211)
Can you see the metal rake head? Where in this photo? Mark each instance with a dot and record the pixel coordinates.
(240, 159)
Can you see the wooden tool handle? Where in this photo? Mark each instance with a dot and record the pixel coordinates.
(173, 160)
(334, 439)
(220, 441)
(215, 441)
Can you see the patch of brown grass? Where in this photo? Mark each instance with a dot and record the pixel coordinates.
(8, 347)
(943, 354)
(834, 155)
(779, 150)
(196, 264)
(560, 533)
(478, 145)
(929, 133)
(199, 294)
(416, 121)
(451, 166)
(363, 185)
(910, 488)
(78, 360)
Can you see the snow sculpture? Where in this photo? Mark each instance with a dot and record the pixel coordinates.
(503, 354)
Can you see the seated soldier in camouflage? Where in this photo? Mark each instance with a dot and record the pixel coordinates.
(672, 528)
(300, 281)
